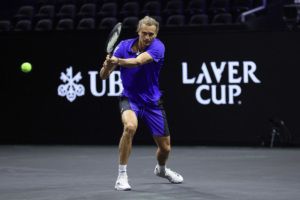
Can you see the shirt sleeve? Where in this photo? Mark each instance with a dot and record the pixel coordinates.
(118, 52)
(157, 51)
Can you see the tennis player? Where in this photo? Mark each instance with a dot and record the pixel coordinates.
(140, 60)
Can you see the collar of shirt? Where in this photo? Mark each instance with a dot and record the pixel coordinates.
(129, 49)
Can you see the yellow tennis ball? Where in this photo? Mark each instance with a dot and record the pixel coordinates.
(26, 67)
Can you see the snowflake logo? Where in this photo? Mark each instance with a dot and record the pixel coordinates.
(71, 89)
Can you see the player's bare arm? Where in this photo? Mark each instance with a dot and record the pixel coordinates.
(142, 59)
(107, 68)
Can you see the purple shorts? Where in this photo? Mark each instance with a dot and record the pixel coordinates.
(154, 116)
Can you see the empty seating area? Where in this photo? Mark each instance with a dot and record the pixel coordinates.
(49, 15)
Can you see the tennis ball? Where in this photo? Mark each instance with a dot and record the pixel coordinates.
(26, 67)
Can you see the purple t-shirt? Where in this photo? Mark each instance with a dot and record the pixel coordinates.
(141, 83)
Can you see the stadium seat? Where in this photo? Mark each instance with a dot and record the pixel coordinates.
(23, 25)
(175, 20)
(87, 10)
(222, 19)
(86, 24)
(219, 6)
(45, 12)
(130, 22)
(173, 8)
(108, 10)
(107, 23)
(130, 9)
(151, 8)
(44, 25)
(67, 11)
(291, 15)
(196, 7)
(65, 24)
(198, 20)
(24, 12)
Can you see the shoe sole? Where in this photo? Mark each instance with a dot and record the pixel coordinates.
(176, 182)
(119, 189)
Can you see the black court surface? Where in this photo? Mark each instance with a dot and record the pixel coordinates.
(89, 173)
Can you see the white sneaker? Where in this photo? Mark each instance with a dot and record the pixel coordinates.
(122, 183)
(172, 176)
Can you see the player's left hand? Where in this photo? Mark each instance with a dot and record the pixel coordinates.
(113, 60)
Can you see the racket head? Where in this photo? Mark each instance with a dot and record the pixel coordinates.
(113, 38)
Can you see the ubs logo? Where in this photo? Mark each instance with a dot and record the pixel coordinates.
(71, 88)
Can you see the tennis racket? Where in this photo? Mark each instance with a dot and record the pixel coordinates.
(113, 38)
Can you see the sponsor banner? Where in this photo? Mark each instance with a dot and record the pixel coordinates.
(209, 83)
(218, 88)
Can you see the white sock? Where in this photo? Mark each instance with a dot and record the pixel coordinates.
(161, 168)
(122, 169)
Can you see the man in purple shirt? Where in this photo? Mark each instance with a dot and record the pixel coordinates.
(140, 60)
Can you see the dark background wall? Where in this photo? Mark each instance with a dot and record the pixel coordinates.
(32, 111)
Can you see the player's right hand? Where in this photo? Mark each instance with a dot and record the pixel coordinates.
(108, 56)
(108, 61)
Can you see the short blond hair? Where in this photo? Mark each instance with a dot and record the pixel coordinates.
(149, 21)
